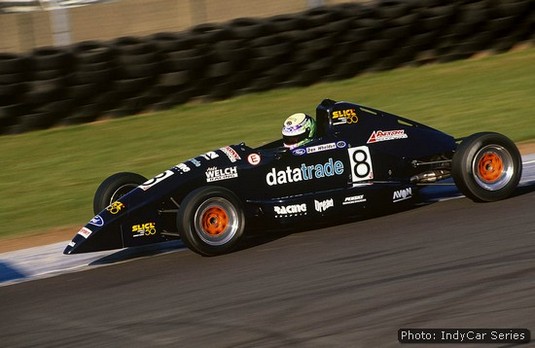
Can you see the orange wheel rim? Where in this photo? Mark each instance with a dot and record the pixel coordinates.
(493, 167)
(214, 221)
(490, 167)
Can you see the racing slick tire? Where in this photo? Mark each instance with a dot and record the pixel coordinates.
(487, 167)
(211, 220)
(114, 187)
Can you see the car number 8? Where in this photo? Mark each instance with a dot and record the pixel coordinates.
(361, 163)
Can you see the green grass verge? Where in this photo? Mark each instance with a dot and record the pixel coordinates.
(48, 177)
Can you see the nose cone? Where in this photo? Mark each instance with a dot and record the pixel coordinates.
(73, 246)
(90, 239)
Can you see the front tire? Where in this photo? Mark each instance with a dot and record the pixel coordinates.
(487, 167)
(211, 220)
(114, 187)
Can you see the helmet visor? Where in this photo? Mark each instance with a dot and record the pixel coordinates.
(292, 140)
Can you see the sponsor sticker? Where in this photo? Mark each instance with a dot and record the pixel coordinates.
(232, 155)
(402, 195)
(85, 232)
(217, 174)
(195, 162)
(115, 207)
(254, 159)
(347, 116)
(290, 210)
(321, 206)
(320, 148)
(145, 229)
(380, 135)
(304, 172)
(354, 199)
(182, 168)
(97, 221)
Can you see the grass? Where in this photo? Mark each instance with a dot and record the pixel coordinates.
(48, 177)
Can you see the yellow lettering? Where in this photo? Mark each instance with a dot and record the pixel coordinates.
(344, 113)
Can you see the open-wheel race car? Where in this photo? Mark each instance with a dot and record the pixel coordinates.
(359, 159)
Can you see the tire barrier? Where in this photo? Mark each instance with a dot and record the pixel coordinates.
(91, 80)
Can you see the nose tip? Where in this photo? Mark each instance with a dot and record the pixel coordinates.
(69, 249)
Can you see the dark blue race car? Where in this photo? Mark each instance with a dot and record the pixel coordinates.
(361, 159)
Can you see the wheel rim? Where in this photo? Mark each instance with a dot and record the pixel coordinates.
(493, 167)
(216, 221)
(121, 191)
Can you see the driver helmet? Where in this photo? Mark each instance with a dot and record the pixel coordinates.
(298, 129)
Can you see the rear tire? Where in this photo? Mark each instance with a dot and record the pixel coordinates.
(487, 167)
(114, 187)
(211, 220)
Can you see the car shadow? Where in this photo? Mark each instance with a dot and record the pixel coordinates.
(258, 238)
(524, 189)
(140, 252)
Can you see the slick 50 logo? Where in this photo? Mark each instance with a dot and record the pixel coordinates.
(304, 172)
(146, 229)
(347, 116)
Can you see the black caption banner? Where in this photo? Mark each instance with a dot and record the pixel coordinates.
(464, 336)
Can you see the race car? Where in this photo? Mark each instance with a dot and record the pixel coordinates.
(361, 159)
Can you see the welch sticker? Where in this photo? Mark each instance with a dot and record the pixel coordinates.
(217, 174)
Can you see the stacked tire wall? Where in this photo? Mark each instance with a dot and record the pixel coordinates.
(102, 79)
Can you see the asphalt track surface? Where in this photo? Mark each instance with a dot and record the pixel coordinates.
(454, 264)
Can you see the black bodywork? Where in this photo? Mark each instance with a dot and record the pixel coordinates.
(362, 158)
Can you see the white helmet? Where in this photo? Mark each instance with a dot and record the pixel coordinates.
(298, 129)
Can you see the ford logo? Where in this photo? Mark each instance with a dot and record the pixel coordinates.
(299, 152)
(97, 221)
